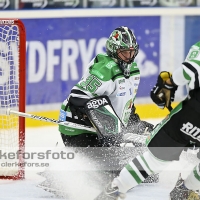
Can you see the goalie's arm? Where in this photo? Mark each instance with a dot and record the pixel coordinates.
(95, 112)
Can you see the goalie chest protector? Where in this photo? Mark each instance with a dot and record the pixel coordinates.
(104, 77)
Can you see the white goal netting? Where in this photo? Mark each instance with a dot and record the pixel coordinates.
(9, 98)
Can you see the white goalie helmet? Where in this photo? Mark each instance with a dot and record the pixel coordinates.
(123, 48)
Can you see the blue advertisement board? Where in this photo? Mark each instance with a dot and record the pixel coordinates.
(58, 51)
(192, 33)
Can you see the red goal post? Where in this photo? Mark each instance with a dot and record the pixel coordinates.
(12, 95)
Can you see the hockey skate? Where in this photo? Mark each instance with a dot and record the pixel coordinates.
(110, 193)
(181, 192)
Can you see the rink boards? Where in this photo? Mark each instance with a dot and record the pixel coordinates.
(61, 44)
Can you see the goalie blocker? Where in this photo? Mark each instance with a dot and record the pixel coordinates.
(103, 117)
(106, 122)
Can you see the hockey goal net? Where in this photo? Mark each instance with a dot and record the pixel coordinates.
(12, 96)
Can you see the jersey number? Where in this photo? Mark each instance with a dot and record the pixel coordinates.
(91, 84)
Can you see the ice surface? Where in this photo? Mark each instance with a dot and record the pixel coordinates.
(49, 137)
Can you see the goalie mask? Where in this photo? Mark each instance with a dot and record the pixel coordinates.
(123, 48)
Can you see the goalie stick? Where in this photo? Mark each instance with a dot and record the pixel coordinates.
(54, 121)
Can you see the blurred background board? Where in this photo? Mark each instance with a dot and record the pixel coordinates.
(61, 42)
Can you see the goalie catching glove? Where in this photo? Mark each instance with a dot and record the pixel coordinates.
(163, 93)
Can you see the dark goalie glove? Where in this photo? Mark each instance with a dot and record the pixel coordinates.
(163, 93)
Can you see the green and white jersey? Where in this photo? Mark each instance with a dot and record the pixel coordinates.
(104, 77)
(189, 72)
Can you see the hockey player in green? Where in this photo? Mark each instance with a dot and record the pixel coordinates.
(114, 75)
(180, 129)
(103, 99)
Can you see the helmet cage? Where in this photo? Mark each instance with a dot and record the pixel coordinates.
(122, 39)
(126, 55)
